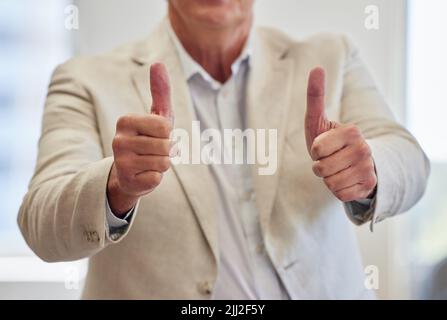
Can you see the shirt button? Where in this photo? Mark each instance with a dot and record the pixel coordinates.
(247, 195)
(205, 288)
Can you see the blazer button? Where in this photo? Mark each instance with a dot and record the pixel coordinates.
(205, 288)
(87, 236)
(95, 236)
(91, 236)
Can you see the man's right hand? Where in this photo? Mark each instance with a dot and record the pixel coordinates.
(141, 147)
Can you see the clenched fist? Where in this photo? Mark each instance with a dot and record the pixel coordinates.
(340, 153)
(141, 147)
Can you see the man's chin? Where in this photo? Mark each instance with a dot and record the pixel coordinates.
(217, 18)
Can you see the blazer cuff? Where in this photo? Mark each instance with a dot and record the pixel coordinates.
(360, 212)
(385, 200)
(116, 227)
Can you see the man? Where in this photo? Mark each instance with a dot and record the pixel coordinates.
(104, 187)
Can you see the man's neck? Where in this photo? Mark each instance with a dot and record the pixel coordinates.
(214, 49)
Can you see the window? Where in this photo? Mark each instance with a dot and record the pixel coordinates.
(427, 119)
(33, 40)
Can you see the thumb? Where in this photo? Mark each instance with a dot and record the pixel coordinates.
(160, 91)
(316, 121)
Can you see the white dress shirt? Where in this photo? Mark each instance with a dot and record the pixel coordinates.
(245, 270)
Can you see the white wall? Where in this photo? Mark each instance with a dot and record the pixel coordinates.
(107, 23)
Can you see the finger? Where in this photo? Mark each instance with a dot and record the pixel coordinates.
(315, 95)
(144, 145)
(334, 140)
(153, 126)
(359, 174)
(337, 162)
(148, 125)
(160, 91)
(150, 163)
(316, 121)
(352, 193)
(148, 180)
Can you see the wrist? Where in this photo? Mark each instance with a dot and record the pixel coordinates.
(119, 201)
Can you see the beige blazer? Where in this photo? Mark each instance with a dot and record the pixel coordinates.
(170, 250)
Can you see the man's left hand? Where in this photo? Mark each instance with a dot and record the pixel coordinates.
(340, 153)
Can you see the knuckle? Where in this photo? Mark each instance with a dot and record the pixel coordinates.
(367, 188)
(368, 151)
(155, 178)
(317, 169)
(371, 183)
(118, 143)
(364, 151)
(375, 180)
(370, 167)
(124, 122)
(353, 131)
(165, 164)
(316, 149)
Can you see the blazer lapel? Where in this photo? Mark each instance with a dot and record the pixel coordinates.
(268, 99)
(195, 179)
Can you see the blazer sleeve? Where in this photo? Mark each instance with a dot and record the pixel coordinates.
(62, 216)
(401, 165)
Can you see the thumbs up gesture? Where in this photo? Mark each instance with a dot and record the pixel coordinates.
(340, 153)
(141, 147)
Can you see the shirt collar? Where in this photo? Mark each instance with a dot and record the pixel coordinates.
(191, 67)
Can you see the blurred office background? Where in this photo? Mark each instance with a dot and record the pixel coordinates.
(406, 54)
